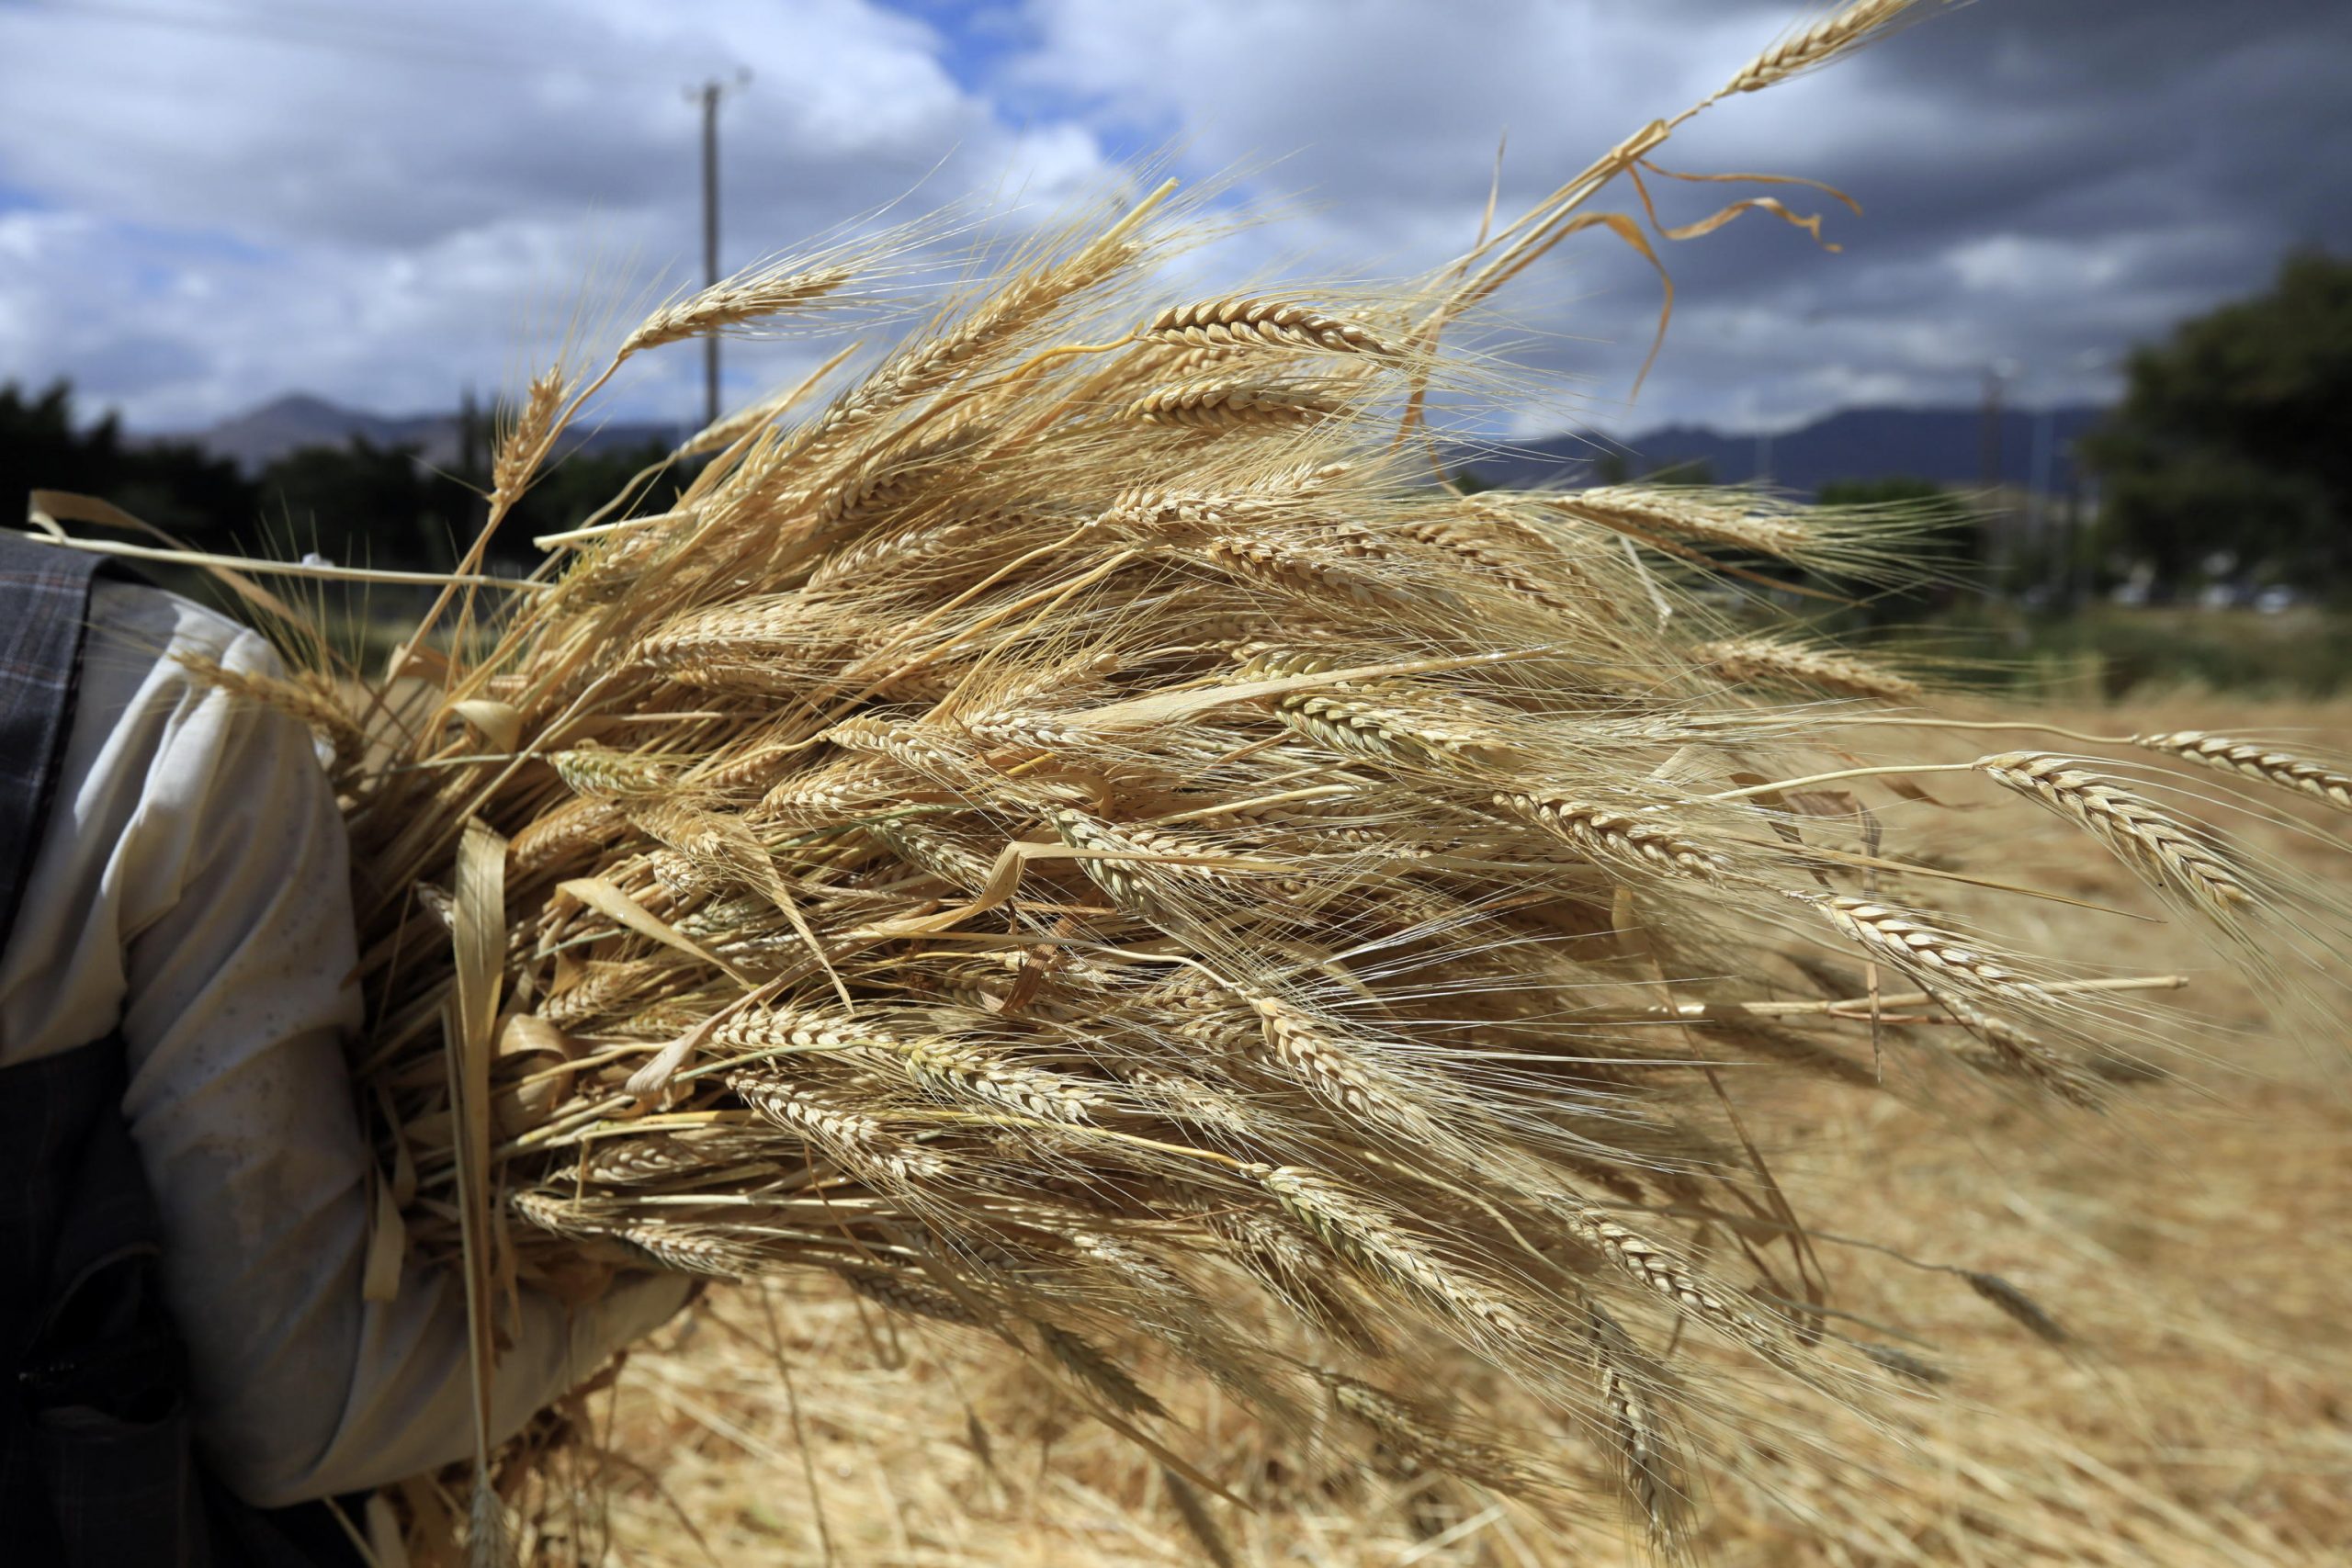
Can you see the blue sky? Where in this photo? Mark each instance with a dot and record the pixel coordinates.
(207, 203)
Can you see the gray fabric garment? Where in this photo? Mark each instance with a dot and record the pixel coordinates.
(191, 891)
(44, 592)
(97, 1452)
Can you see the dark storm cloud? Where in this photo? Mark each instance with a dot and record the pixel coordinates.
(2059, 180)
(2045, 183)
(2081, 119)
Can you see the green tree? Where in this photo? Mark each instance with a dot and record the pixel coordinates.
(2230, 436)
(171, 484)
(1924, 495)
(367, 505)
(1938, 531)
(360, 505)
(1696, 471)
(574, 486)
(364, 504)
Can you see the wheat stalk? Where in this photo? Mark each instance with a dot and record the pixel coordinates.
(1811, 48)
(1918, 946)
(2254, 761)
(1217, 405)
(1238, 322)
(1774, 661)
(2159, 845)
(733, 302)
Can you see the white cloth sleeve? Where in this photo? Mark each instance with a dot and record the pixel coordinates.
(193, 885)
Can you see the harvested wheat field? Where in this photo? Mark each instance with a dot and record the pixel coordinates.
(1247, 1004)
(2190, 1244)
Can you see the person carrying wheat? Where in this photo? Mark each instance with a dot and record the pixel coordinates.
(191, 1362)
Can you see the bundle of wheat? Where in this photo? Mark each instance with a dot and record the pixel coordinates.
(1081, 822)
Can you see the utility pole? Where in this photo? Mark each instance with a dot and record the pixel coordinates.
(709, 95)
(2070, 574)
(1988, 434)
(1988, 460)
(2044, 457)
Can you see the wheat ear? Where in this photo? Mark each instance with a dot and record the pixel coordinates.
(1773, 662)
(901, 1294)
(1232, 405)
(851, 1137)
(1816, 46)
(1236, 322)
(1643, 510)
(1418, 1436)
(1915, 944)
(2255, 762)
(1353, 1227)
(523, 447)
(1615, 836)
(730, 302)
(2162, 847)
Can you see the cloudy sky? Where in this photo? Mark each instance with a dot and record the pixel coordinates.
(206, 203)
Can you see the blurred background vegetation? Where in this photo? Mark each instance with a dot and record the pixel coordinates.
(2211, 546)
(355, 502)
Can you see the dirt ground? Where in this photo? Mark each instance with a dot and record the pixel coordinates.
(2194, 1242)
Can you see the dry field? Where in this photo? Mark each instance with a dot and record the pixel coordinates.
(2192, 1244)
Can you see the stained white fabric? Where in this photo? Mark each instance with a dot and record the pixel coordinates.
(191, 888)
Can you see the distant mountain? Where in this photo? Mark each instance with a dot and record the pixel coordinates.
(1942, 445)
(260, 437)
(254, 439)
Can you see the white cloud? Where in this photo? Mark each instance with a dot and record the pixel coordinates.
(373, 204)
(265, 214)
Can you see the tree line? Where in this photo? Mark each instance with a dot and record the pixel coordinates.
(359, 503)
